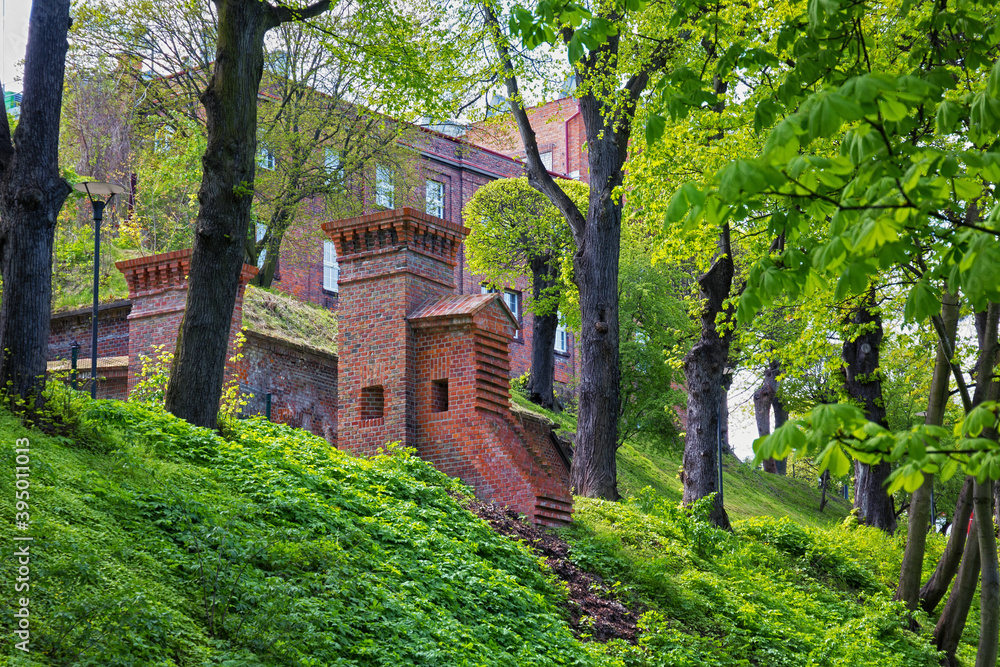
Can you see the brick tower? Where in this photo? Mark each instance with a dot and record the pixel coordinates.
(157, 287)
(421, 365)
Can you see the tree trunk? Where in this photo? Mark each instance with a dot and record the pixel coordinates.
(762, 400)
(31, 194)
(595, 272)
(989, 591)
(543, 341)
(920, 505)
(780, 417)
(864, 386)
(824, 484)
(950, 625)
(225, 197)
(937, 585)
(281, 219)
(724, 416)
(704, 371)
(597, 236)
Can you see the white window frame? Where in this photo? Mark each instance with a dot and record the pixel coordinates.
(562, 338)
(434, 197)
(546, 158)
(331, 269)
(385, 186)
(266, 158)
(260, 232)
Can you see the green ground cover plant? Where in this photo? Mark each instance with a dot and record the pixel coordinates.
(771, 593)
(159, 543)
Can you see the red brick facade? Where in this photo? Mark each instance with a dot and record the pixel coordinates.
(73, 326)
(559, 130)
(462, 168)
(302, 382)
(429, 368)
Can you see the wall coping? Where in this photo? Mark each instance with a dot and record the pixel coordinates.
(103, 309)
(295, 347)
(458, 307)
(163, 271)
(397, 229)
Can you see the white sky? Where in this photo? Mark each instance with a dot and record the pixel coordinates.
(14, 27)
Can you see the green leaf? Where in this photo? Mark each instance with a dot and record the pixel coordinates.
(993, 83)
(967, 189)
(838, 462)
(824, 120)
(853, 281)
(892, 109)
(948, 114)
(922, 302)
(655, 126)
(575, 52)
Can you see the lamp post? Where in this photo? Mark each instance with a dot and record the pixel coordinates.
(110, 190)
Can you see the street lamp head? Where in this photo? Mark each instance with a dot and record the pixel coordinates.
(98, 188)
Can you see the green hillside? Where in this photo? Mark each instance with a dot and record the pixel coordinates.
(158, 543)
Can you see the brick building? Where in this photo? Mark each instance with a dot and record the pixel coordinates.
(418, 362)
(448, 171)
(559, 131)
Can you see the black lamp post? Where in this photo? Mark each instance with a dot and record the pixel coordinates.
(110, 190)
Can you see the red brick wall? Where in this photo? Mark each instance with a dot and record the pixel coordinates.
(74, 326)
(391, 262)
(302, 384)
(478, 439)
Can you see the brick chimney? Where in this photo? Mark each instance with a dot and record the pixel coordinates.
(391, 262)
(157, 287)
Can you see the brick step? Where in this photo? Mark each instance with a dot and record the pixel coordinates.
(553, 512)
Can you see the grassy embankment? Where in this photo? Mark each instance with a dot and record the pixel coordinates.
(157, 543)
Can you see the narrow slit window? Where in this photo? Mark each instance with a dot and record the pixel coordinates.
(373, 402)
(439, 396)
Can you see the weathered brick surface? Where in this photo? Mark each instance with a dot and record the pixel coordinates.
(411, 346)
(157, 287)
(74, 326)
(302, 383)
(391, 262)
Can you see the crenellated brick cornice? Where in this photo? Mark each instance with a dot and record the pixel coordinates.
(165, 271)
(387, 231)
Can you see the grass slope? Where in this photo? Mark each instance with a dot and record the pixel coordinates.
(157, 543)
(748, 492)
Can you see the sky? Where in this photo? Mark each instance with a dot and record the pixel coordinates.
(14, 27)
